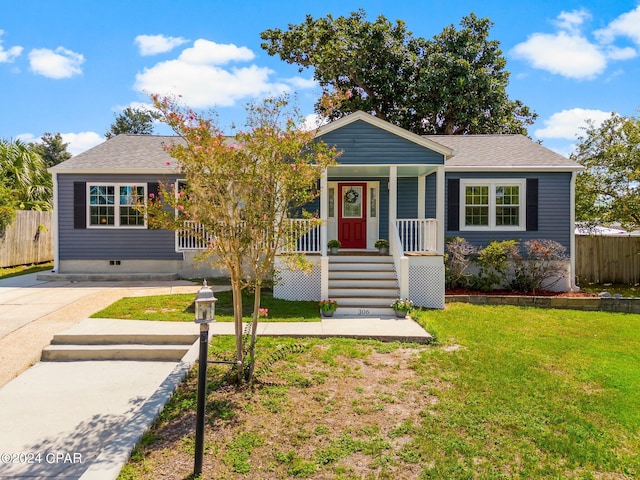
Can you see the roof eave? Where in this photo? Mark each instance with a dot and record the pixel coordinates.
(511, 168)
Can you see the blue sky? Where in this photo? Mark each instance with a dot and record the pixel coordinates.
(69, 66)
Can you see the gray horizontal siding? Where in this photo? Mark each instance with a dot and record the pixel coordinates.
(407, 206)
(104, 243)
(430, 196)
(364, 144)
(554, 204)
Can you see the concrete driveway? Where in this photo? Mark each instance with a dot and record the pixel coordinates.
(32, 311)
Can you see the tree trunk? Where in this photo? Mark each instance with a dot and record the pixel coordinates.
(236, 289)
(254, 331)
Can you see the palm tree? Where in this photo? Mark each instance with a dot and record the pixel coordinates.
(23, 172)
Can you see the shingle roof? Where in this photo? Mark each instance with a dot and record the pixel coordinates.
(146, 154)
(494, 151)
(124, 153)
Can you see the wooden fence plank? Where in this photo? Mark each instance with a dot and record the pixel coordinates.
(27, 240)
(608, 259)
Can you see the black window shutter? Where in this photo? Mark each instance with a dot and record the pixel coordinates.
(153, 187)
(453, 205)
(79, 204)
(532, 204)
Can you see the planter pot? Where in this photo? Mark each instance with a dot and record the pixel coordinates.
(383, 251)
(334, 250)
(326, 313)
(401, 313)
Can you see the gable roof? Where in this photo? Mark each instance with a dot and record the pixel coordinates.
(384, 125)
(123, 154)
(501, 152)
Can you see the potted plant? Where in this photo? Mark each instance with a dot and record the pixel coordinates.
(334, 246)
(382, 245)
(401, 306)
(327, 307)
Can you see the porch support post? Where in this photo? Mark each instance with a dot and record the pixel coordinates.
(393, 193)
(324, 217)
(440, 209)
(421, 196)
(324, 212)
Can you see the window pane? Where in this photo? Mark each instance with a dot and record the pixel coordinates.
(476, 216)
(507, 195)
(373, 202)
(477, 205)
(101, 215)
(332, 211)
(130, 216)
(130, 195)
(101, 209)
(352, 202)
(509, 216)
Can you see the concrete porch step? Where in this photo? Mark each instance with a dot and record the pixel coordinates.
(364, 311)
(124, 339)
(342, 292)
(66, 353)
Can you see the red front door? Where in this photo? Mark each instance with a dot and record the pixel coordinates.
(352, 215)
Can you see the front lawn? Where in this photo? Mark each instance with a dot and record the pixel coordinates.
(180, 308)
(507, 392)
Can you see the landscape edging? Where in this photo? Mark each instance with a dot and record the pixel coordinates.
(604, 304)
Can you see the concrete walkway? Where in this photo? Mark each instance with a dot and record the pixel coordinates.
(80, 419)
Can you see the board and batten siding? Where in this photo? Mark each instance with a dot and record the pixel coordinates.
(108, 243)
(364, 144)
(554, 204)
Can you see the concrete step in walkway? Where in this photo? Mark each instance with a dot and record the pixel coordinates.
(134, 341)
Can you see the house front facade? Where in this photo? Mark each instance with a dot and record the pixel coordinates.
(391, 184)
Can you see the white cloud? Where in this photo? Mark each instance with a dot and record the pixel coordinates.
(570, 53)
(568, 124)
(302, 83)
(199, 76)
(312, 122)
(79, 142)
(155, 44)
(206, 52)
(562, 53)
(626, 25)
(572, 21)
(61, 63)
(8, 56)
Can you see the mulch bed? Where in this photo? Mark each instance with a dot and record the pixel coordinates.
(539, 293)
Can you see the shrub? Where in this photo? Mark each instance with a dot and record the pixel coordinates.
(493, 264)
(539, 265)
(457, 260)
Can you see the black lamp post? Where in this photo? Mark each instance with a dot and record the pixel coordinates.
(205, 314)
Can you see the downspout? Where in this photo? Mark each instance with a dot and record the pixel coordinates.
(54, 226)
(572, 234)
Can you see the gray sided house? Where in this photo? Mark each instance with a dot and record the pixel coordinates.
(388, 184)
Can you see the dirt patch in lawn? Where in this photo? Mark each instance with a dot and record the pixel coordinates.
(304, 421)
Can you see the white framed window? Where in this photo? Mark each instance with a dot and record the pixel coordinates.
(112, 205)
(487, 204)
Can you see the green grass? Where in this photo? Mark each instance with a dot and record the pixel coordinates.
(24, 269)
(180, 308)
(627, 291)
(507, 392)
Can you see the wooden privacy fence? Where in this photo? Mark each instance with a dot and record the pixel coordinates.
(27, 240)
(607, 259)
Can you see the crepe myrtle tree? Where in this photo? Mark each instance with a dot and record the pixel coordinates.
(240, 189)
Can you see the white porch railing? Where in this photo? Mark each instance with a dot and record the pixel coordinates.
(193, 236)
(418, 235)
(307, 233)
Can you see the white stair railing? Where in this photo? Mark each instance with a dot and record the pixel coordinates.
(400, 260)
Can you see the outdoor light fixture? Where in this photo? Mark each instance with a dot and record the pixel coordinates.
(205, 305)
(205, 314)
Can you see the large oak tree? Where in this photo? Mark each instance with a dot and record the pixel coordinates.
(454, 83)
